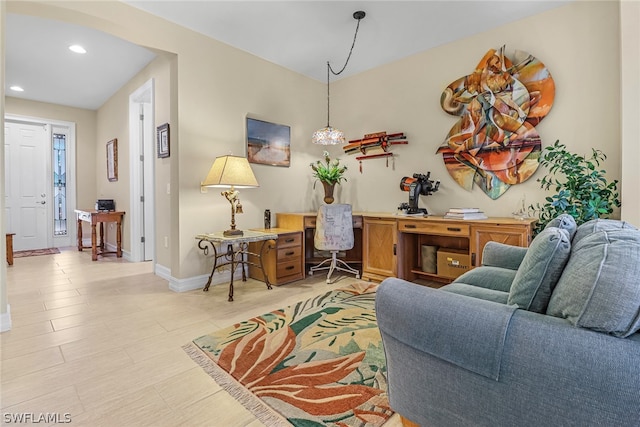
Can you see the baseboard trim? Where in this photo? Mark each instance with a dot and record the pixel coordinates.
(196, 282)
(5, 320)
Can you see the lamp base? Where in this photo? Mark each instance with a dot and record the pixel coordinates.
(233, 232)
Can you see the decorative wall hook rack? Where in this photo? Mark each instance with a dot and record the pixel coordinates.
(379, 142)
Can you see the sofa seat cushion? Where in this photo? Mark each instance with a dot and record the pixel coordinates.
(477, 292)
(540, 270)
(600, 286)
(487, 277)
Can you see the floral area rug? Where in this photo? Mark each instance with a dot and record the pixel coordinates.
(319, 362)
(36, 252)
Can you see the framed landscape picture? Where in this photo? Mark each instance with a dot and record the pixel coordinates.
(268, 143)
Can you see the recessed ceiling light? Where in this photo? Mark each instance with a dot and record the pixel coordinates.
(77, 48)
(16, 89)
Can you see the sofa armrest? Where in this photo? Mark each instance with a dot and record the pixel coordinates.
(500, 255)
(466, 331)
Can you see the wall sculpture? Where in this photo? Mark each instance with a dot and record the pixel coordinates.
(495, 144)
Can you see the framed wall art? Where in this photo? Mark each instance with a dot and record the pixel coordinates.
(268, 143)
(112, 160)
(163, 140)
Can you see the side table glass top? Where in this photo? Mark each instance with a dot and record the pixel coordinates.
(248, 236)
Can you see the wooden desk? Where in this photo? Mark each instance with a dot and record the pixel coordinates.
(235, 256)
(94, 218)
(306, 222)
(389, 245)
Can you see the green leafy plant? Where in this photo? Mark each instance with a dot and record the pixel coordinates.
(582, 190)
(330, 171)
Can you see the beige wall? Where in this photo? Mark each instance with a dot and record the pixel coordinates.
(113, 122)
(630, 93)
(213, 87)
(578, 43)
(5, 318)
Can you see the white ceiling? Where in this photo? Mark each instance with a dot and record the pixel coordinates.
(298, 35)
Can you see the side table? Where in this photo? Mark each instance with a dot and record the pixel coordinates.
(94, 218)
(235, 256)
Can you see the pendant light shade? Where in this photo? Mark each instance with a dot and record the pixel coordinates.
(329, 135)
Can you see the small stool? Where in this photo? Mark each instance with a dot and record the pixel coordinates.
(10, 248)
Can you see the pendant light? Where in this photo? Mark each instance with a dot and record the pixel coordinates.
(329, 135)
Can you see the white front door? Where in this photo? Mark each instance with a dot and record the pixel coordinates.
(27, 184)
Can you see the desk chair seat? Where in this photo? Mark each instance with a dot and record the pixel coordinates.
(334, 233)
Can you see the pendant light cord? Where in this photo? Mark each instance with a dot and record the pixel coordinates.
(358, 16)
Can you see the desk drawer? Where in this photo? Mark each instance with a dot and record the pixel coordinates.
(84, 216)
(288, 254)
(424, 227)
(289, 240)
(287, 268)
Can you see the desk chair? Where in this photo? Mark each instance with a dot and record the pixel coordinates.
(334, 233)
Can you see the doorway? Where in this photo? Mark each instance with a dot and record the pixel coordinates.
(39, 182)
(142, 148)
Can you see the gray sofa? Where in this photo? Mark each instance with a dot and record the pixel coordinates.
(545, 335)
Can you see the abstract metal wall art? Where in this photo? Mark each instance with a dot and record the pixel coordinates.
(495, 144)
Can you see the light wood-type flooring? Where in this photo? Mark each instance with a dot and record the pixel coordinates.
(101, 341)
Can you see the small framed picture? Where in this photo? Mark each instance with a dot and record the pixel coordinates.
(163, 140)
(112, 160)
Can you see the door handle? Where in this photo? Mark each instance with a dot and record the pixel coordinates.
(42, 202)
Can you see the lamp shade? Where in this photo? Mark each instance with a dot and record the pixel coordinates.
(228, 171)
(328, 136)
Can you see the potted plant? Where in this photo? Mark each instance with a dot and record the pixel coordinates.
(329, 173)
(581, 188)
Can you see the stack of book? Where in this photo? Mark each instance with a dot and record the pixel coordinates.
(465, 213)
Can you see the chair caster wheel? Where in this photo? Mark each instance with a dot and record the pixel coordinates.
(328, 281)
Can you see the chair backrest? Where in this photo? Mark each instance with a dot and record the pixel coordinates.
(334, 228)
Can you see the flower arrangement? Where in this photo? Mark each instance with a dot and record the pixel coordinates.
(330, 171)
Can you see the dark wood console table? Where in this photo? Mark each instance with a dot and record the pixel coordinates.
(94, 218)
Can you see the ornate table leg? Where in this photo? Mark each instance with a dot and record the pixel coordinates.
(244, 248)
(264, 272)
(101, 236)
(119, 239)
(79, 235)
(232, 254)
(94, 250)
(202, 245)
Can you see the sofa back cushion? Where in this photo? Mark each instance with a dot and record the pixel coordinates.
(540, 270)
(600, 286)
(600, 224)
(564, 222)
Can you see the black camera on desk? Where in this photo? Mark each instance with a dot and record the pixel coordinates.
(105, 205)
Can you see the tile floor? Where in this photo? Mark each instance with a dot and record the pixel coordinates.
(101, 341)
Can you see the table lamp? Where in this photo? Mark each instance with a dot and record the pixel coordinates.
(231, 172)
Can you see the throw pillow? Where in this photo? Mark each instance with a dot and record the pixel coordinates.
(540, 270)
(595, 225)
(600, 287)
(564, 222)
